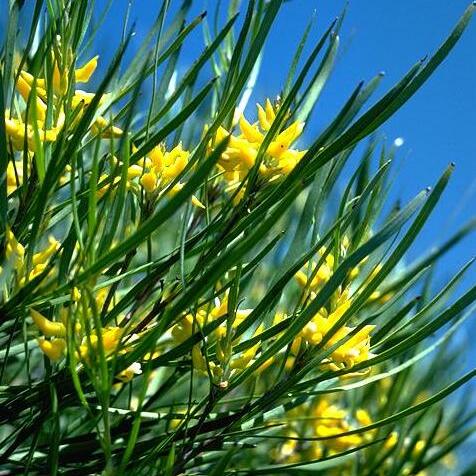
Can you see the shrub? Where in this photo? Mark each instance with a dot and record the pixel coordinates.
(181, 295)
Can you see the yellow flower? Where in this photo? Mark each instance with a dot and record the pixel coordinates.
(350, 353)
(75, 294)
(363, 417)
(84, 73)
(61, 72)
(158, 170)
(289, 450)
(315, 278)
(333, 420)
(240, 155)
(101, 127)
(319, 276)
(15, 254)
(323, 418)
(53, 349)
(195, 201)
(45, 255)
(14, 175)
(418, 448)
(391, 441)
(24, 88)
(102, 190)
(18, 132)
(14, 251)
(242, 361)
(47, 327)
(191, 324)
(111, 338)
(149, 182)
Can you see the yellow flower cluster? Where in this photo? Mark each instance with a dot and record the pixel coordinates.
(224, 356)
(357, 348)
(333, 420)
(53, 341)
(314, 277)
(155, 172)
(55, 348)
(322, 419)
(15, 256)
(240, 155)
(21, 130)
(350, 353)
(328, 419)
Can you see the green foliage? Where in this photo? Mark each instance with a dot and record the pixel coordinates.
(204, 306)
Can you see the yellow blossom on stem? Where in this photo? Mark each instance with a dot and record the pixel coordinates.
(101, 127)
(14, 175)
(84, 73)
(111, 338)
(391, 441)
(158, 170)
(332, 420)
(149, 182)
(48, 328)
(316, 274)
(355, 350)
(242, 150)
(61, 74)
(15, 254)
(225, 358)
(53, 349)
(19, 132)
(323, 419)
(25, 90)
